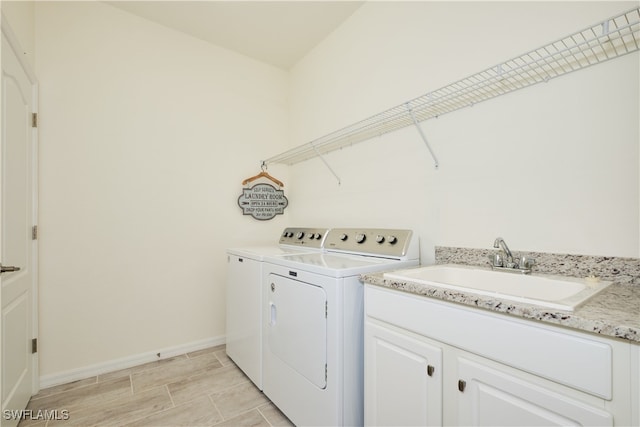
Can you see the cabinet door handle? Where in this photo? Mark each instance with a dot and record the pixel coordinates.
(430, 370)
(462, 385)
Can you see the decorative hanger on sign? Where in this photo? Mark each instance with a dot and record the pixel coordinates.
(262, 201)
(263, 174)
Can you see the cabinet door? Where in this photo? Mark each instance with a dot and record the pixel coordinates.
(491, 397)
(403, 379)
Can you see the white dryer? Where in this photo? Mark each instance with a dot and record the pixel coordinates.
(313, 323)
(244, 294)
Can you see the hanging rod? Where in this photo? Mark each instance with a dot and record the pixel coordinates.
(612, 38)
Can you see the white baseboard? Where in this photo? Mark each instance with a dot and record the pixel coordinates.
(127, 362)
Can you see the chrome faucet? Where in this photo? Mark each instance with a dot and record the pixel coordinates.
(499, 242)
(498, 262)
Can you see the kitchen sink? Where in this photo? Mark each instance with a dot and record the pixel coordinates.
(564, 293)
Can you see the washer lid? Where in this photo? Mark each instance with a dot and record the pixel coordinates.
(337, 265)
(259, 253)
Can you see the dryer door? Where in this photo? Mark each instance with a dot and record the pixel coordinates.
(297, 330)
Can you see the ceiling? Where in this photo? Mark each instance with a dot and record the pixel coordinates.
(279, 33)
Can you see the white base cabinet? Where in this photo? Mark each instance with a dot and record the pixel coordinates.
(492, 397)
(429, 362)
(404, 378)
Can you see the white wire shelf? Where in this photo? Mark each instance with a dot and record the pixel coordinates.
(612, 38)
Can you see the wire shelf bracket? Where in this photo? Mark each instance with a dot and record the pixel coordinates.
(327, 164)
(608, 39)
(422, 135)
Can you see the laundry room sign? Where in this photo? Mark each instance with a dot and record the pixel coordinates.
(262, 201)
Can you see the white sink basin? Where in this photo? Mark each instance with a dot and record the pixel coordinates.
(564, 293)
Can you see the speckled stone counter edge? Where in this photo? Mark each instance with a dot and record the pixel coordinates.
(615, 269)
(614, 313)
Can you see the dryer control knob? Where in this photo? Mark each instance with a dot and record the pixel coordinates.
(360, 238)
(392, 240)
(300, 235)
(380, 239)
(343, 237)
(318, 236)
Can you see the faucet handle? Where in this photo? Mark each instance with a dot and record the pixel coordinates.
(496, 259)
(526, 262)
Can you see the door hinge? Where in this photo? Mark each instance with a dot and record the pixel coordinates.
(34, 120)
(326, 309)
(34, 345)
(325, 372)
(34, 232)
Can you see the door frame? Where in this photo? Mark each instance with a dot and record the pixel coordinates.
(11, 37)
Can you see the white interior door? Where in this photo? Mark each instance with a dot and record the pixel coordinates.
(17, 215)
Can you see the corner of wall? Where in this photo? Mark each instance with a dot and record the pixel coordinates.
(20, 16)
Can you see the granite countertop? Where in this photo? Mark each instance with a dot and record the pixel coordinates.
(614, 312)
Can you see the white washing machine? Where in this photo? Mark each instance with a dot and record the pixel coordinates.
(244, 295)
(313, 323)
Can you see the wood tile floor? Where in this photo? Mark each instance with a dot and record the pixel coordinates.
(204, 388)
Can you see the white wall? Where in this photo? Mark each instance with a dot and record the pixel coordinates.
(552, 168)
(20, 15)
(145, 137)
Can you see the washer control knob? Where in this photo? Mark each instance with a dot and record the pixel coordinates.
(318, 236)
(392, 240)
(300, 235)
(343, 237)
(379, 238)
(360, 238)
